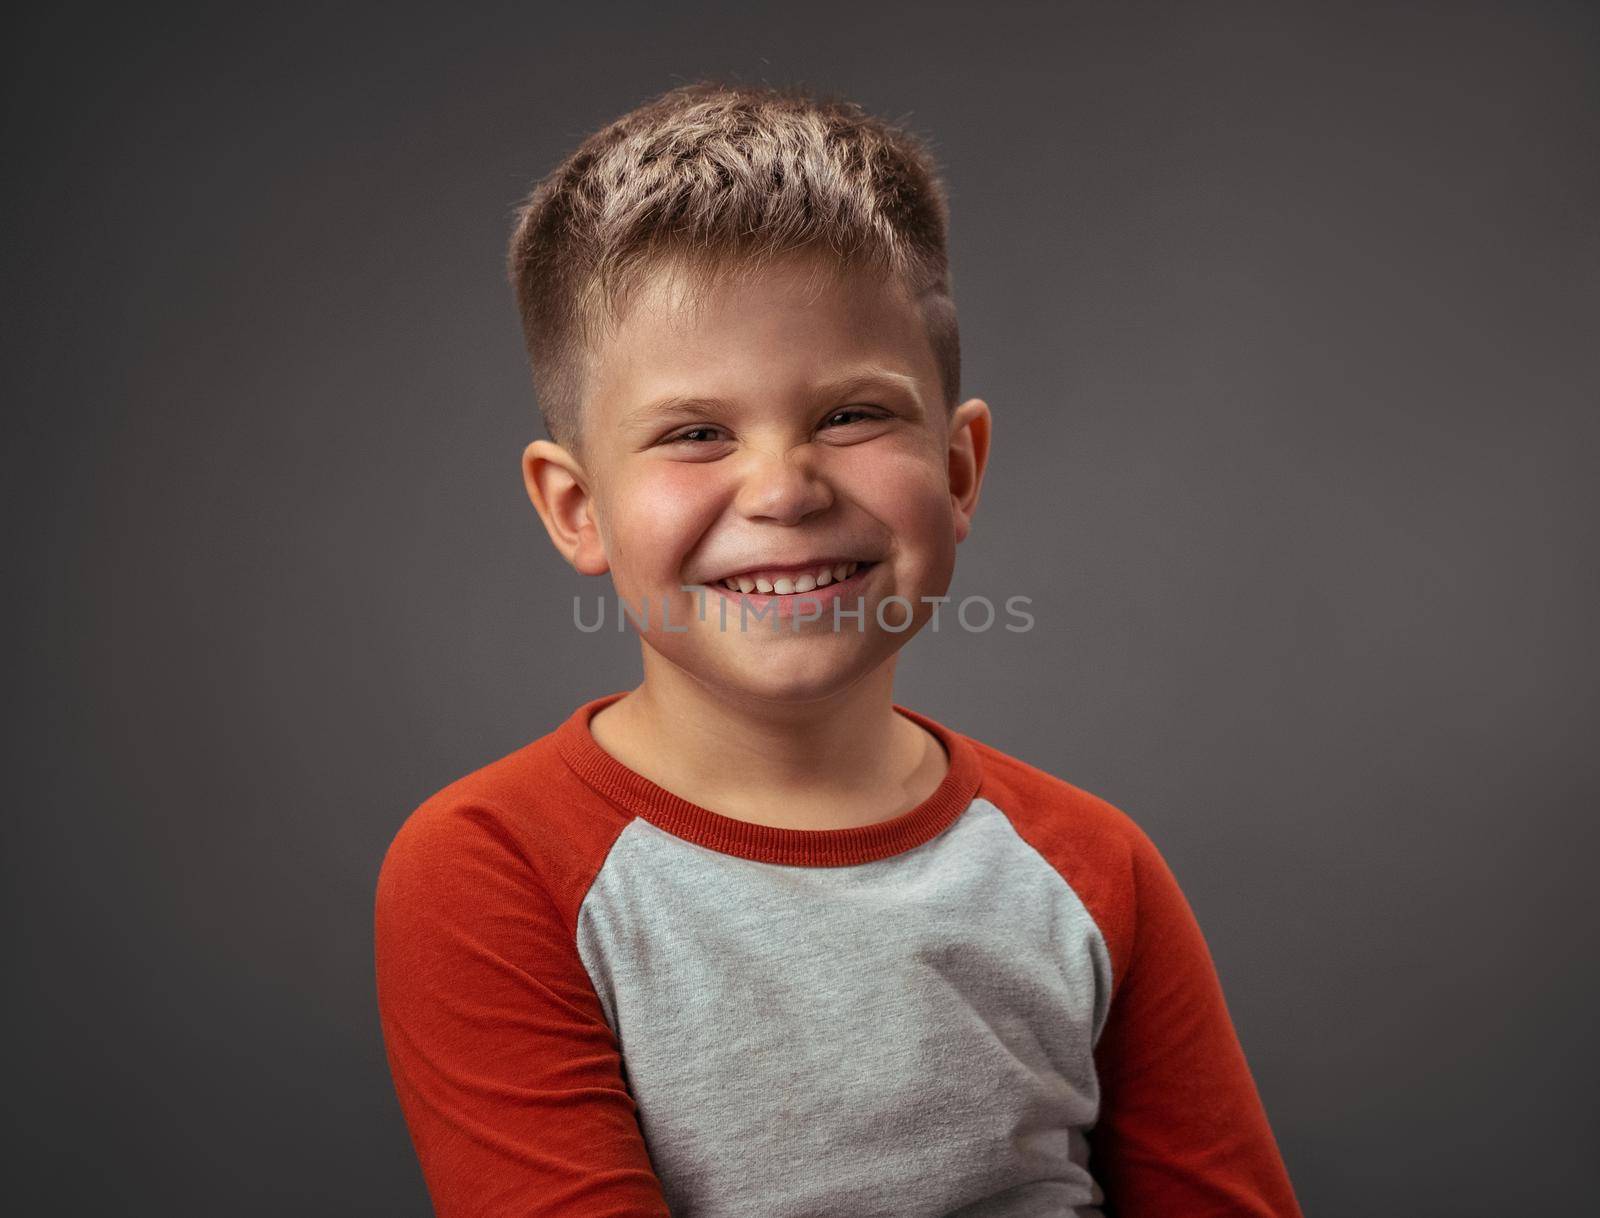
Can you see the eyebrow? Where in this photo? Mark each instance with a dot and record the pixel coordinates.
(675, 405)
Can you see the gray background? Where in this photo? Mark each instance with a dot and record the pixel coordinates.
(1286, 317)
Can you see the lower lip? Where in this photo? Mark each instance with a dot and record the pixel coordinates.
(788, 605)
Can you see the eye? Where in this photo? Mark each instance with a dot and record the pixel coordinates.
(695, 435)
(851, 414)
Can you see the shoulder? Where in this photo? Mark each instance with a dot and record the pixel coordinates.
(521, 825)
(1095, 846)
(1057, 810)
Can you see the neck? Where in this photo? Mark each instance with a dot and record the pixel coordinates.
(835, 761)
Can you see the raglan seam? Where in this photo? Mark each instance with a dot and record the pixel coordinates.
(497, 828)
(1100, 934)
(1029, 773)
(577, 926)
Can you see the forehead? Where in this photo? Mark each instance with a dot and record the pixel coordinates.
(757, 334)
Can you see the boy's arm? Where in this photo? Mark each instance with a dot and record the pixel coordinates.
(1181, 1128)
(507, 1071)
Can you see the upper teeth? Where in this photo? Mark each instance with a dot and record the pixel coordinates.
(783, 585)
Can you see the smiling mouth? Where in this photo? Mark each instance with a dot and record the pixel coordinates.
(790, 582)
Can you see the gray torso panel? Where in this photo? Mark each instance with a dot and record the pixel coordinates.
(911, 1036)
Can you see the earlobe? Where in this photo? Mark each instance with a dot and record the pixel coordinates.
(559, 490)
(968, 457)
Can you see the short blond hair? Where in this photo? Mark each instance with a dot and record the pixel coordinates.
(711, 178)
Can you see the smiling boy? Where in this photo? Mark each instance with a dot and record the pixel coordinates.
(752, 939)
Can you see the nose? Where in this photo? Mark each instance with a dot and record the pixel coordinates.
(782, 487)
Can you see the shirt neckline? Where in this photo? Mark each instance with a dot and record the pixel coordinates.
(635, 793)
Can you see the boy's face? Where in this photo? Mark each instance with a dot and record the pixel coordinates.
(816, 435)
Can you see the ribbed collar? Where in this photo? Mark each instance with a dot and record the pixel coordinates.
(635, 793)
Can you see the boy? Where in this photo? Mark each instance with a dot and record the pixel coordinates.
(752, 939)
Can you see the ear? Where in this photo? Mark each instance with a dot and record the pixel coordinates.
(559, 489)
(968, 457)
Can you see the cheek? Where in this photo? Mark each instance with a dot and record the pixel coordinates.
(658, 518)
(909, 492)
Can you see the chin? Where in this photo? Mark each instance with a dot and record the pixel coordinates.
(794, 678)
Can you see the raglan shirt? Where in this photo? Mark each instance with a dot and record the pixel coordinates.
(599, 999)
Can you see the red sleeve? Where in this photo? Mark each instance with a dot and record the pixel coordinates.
(1181, 1129)
(507, 1071)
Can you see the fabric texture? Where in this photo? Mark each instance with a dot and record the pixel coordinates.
(599, 999)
